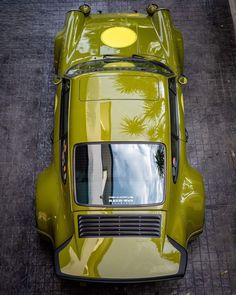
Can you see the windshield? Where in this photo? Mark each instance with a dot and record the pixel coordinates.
(122, 174)
(127, 64)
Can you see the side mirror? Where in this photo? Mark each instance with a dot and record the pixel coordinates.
(183, 80)
(57, 80)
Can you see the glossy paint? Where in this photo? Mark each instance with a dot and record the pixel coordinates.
(121, 257)
(80, 39)
(119, 106)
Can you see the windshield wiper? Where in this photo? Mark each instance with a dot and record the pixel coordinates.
(112, 55)
(139, 57)
(139, 63)
(154, 62)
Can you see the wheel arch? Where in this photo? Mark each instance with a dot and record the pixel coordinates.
(187, 211)
(52, 208)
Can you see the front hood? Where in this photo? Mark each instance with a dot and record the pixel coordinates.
(87, 38)
(134, 257)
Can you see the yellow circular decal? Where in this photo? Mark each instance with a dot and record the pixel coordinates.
(118, 37)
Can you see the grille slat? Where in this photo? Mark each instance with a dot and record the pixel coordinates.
(116, 228)
(119, 225)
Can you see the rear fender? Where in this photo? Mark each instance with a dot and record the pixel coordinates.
(53, 216)
(187, 208)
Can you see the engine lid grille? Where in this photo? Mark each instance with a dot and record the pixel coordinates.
(119, 225)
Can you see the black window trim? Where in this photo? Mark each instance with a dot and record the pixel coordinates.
(175, 136)
(63, 136)
(62, 106)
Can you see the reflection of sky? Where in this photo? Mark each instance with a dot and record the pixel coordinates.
(136, 177)
(135, 173)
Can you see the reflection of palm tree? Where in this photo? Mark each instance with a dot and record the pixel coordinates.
(160, 160)
(137, 125)
(123, 85)
(153, 133)
(134, 126)
(152, 109)
(138, 85)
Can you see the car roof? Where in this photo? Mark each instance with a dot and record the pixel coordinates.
(119, 106)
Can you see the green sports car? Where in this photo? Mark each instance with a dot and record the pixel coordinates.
(119, 201)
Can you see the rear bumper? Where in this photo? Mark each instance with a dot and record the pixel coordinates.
(178, 275)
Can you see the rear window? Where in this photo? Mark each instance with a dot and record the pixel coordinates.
(119, 174)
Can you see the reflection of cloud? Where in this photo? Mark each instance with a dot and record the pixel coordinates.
(135, 173)
(129, 172)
